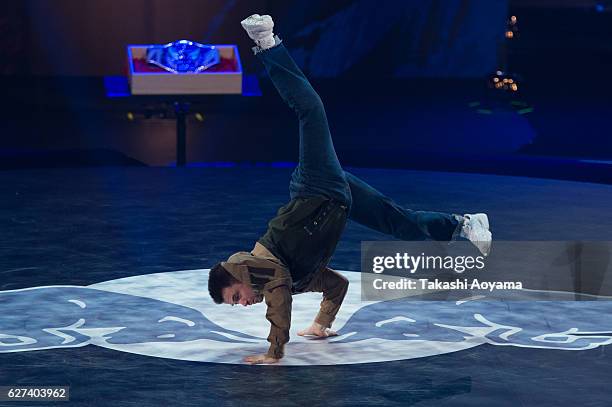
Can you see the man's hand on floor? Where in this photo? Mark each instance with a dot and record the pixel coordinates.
(317, 330)
(260, 359)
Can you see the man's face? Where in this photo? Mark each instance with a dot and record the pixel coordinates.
(240, 293)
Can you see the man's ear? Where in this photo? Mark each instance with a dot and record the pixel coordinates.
(223, 292)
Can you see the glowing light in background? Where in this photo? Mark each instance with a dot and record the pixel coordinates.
(512, 30)
(504, 81)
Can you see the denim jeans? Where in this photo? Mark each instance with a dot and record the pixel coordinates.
(319, 172)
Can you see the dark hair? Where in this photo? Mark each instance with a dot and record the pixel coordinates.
(218, 279)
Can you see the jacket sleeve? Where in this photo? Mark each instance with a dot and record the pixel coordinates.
(334, 287)
(278, 299)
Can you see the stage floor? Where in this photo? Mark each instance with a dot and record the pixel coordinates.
(87, 226)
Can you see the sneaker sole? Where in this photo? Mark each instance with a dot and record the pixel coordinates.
(482, 218)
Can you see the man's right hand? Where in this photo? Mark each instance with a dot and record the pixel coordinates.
(317, 330)
(260, 360)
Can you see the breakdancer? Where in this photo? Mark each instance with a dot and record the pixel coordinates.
(293, 254)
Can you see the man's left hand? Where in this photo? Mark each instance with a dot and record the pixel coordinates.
(317, 330)
(260, 359)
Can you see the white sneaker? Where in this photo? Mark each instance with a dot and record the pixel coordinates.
(480, 217)
(259, 28)
(476, 229)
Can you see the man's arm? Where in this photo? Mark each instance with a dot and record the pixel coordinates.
(334, 286)
(278, 300)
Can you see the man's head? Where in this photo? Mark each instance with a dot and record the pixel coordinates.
(224, 288)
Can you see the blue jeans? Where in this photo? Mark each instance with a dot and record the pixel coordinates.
(319, 172)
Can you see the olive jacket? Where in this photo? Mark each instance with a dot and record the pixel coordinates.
(270, 278)
(292, 258)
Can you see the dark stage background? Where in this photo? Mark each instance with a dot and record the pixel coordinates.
(328, 39)
(405, 79)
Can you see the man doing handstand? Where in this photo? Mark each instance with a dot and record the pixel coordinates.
(292, 256)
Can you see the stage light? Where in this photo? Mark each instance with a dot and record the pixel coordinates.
(130, 116)
(199, 117)
(512, 30)
(504, 81)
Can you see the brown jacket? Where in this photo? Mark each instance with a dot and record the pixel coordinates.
(270, 278)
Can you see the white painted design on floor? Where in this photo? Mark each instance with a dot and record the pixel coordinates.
(394, 319)
(473, 298)
(165, 336)
(23, 340)
(177, 319)
(66, 338)
(171, 315)
(79, 303)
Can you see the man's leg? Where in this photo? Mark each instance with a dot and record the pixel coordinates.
(376, 211)
(319, 171)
